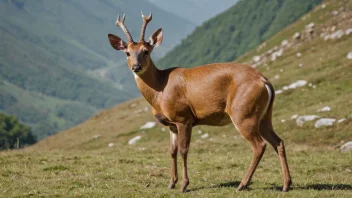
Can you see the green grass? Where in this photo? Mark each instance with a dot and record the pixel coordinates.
(74, 163)
(215, 169)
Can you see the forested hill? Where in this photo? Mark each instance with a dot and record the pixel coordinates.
(57, 67)
(194, 10)
(235, 31)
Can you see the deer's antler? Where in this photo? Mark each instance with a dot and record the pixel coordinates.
(123, 27)
(146, 20)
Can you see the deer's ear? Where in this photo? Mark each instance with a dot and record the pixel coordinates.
(156, 38)
(117, 43)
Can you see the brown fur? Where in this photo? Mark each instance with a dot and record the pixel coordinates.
(214, 94)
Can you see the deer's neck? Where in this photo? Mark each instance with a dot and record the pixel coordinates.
(151, 83)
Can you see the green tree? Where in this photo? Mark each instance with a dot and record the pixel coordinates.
(13, 134)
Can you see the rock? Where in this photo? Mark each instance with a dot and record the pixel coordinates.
(296, 36)
(346, 147)
(134, 140)
(256, 59)
(293, 117)
(278, 92)
(341, 120)
(206, 135)
(310, 25)
(279, 52)
(324, 122)
(327, 37)
(323, 6)
(348, 31)
(146, 109)
(111, 145)
(199, 132)
(300, 65)
(281, 70)
(283, 120)
(305, 118)
(299, 83)
(133, 105)
(96, 136)
(163, 129)
(284, 43)
(298, 55)
(336, 35)
(326, 108)
(335, 13)
(276, 77)
(148, 125)
(349, 55)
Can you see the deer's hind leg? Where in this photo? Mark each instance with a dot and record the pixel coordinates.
(246, 110)
(268, 133)
(249, 129)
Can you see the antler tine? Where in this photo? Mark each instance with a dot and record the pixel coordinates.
(146, 20)
(123, 27)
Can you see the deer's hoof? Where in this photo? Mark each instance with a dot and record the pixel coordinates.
(240, 187)
(171, 186)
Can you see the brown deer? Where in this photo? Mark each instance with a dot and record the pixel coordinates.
(214, 94)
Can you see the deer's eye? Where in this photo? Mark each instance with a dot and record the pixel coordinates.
(128, 54)
(146, 53)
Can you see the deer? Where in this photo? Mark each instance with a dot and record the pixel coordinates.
(214, 94)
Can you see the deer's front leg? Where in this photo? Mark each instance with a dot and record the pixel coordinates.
(173, 153)
(184, 139)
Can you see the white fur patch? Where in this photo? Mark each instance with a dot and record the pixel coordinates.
(269, 99)
(173, 138)
(135, 75)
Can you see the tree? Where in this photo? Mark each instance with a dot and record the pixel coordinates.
(13, 134)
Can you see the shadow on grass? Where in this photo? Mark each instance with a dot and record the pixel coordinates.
(316, 187)
(222, 185)
(279, 188)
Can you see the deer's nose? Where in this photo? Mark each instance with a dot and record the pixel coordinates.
(136, 68)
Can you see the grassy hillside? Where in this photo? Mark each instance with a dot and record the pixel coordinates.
(235, 31)
(56, 65)
(79, 162)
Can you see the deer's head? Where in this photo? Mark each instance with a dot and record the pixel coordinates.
(138, 53)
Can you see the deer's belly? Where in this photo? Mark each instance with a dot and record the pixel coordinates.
(215, 119)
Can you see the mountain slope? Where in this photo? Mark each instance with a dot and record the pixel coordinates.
(56, 65)
(194, 10)
(325, 66)
(234, 32)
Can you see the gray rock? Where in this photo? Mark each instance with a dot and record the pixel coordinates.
(349, 55)
(324, 109)
(134, 140)
(346, 147)
(324, 122)
(305, 118)
(296, 36)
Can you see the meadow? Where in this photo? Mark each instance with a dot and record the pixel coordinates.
(79, 162)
